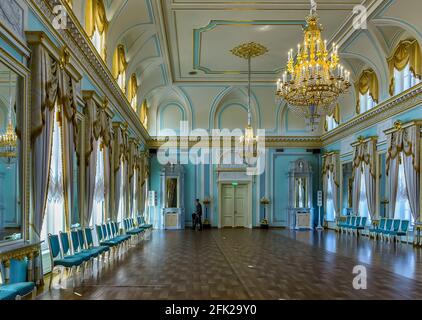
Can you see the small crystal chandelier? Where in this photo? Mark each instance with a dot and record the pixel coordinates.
(8, 140)
(248, 51)
(314, 78)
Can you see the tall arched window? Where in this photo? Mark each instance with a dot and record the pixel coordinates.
(119, 67)
(367, 91)
(54, 218)
(132, 92)
(405, 66)
(144, 114)
(332, 122)
(121, 210)
(96, 25)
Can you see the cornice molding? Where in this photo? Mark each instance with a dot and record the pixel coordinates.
(74, 37)
(270, 142)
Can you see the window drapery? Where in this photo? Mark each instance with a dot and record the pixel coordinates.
(404, 145)
(132, 91)
(119, 66)
(54, 213)
(332, 121)
(367, 84)
(95, 17)
(144, 114)
(364, 161)
(331, 185)
(407, 52)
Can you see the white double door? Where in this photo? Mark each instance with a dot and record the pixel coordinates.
(234, 205)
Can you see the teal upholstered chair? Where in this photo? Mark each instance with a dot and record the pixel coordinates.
(394, 228)
(403, 231)
(386, 229)
(374, 231)
(58, 260)
(360, 225)
(103, 241)
(18, 285)
(90, 242)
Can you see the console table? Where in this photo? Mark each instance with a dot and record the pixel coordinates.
(19, 251)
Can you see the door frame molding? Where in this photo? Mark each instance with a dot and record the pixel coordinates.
(249, 204)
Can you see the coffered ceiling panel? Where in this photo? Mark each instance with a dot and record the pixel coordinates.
(200, 35)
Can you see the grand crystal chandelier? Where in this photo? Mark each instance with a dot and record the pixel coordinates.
(248, 51)
(9, 140)
(314, 77)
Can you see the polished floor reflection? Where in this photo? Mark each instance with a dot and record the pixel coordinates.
(255, 264)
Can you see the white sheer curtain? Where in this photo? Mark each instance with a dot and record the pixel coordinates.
(134, 213)
(404, 80)
(363, 210)
(331, 212)
(402, 208)
(366, 102)
(121, 210)
(99, 193)
(54, 219)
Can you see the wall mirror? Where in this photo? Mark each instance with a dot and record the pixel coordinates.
(11, 93)
(171, 193)
(347, 187)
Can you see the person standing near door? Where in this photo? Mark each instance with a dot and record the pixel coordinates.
(197, 216)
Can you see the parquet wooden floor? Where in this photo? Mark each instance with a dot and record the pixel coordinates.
(254, 264)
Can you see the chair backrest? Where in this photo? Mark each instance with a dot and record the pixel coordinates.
(348, 219)
(18, 270)
(126, 224)
(88, 236)
(388, 224)
(139, 220)
(404, 225)
(75, 240)
(142, 220)
(109, 232)
(81, 239)
(104, 228)
(64, 239)
(353, 220)
(363, 221)
(54, 244)
(382, 223)
(99, 232)
(358, 219)
(396, 225)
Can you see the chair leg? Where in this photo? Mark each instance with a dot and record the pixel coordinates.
(51, 278)
(34, 293)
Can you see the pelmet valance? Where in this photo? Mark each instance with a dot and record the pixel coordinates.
(120, 145)
(368, 82)
(119, 61)
(329, 166)
(98, 125)
(404, 138)
(365, 152)
(95, 17)
(50, 84)
(407, 52)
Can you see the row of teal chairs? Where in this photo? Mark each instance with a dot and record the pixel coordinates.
(81, 252)
(391, 228)
(352, 224)
(17, 285)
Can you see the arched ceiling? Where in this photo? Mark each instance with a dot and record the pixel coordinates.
(180, 49)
